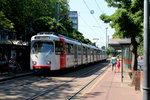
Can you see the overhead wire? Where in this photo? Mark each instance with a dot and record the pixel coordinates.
(93, 15)
(85, 23)
(82, 19)
(90, 10)
(100, 10)
(98, 6)
(103, 31)
(89, 26)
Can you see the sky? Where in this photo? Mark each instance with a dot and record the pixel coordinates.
(89, 24)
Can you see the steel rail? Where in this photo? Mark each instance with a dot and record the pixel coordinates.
(57, 86)
(75, 94)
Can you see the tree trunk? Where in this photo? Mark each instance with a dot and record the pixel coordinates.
(134, 46)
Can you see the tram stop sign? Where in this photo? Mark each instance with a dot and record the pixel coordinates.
(92, 11)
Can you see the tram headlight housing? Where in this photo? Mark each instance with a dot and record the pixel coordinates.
(34, 62)
(48, 63)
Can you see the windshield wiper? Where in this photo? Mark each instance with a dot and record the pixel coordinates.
(48, 53)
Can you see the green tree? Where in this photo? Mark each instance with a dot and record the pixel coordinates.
(23, 13)
(111, 51)
(103, 47)
(79, 36)
(46, 24)
(5, 24)
(127, 22)
(32, 16)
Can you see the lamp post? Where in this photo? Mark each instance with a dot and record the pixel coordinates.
(108, 41)
(106, 36)
(96, 40)
(146, 77)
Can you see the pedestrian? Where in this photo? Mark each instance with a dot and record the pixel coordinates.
(118, 64)
(113, 62)
(12, 64)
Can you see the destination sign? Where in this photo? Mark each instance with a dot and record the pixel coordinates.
(42, 37)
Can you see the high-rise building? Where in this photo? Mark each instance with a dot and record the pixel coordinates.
(74, 17)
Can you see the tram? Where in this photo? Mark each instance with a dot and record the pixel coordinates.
(55, 52)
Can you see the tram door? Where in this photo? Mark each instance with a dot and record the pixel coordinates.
(75, 55)
(63, 54)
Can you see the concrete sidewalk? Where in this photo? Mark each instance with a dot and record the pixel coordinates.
(110, 87)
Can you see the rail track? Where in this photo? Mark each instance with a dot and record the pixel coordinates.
(73, 95)
(35, 88)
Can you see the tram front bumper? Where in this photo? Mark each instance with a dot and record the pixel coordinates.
(40, 67)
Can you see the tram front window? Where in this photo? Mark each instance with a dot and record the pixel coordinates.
(42, 47)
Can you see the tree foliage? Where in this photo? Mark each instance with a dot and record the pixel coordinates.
(111, 51)
(5, 24)
(127, 22)
(46, 24)
(23, 12)
(32, 16)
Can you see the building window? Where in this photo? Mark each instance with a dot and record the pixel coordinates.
(75, 26)
(73, 15)
(74, 21)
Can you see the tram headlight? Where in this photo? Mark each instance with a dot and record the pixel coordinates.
(49, 62)
(34, 62)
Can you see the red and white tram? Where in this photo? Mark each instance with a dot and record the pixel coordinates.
(52, 52)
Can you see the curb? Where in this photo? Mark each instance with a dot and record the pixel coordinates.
(15, 76)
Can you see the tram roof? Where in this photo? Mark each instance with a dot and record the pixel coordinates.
(68, 39)
(94, 47)
(119, 43)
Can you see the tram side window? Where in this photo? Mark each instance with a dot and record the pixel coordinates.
(95, 52)
(67, 46)
(69, 49)
(59, 47)
(89, 51)
(99, 52)
(84, 51)
(79, 50)
(72, 49)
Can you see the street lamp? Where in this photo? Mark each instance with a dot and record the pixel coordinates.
(106, 36)
(96, 40)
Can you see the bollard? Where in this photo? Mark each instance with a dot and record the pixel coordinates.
(137, 80)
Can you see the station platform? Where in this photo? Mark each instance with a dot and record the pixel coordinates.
(110, 87)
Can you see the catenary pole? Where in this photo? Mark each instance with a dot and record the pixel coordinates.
(57, 15)
(108, 41)
(146, 78)
(122, 63)
(106, 37)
